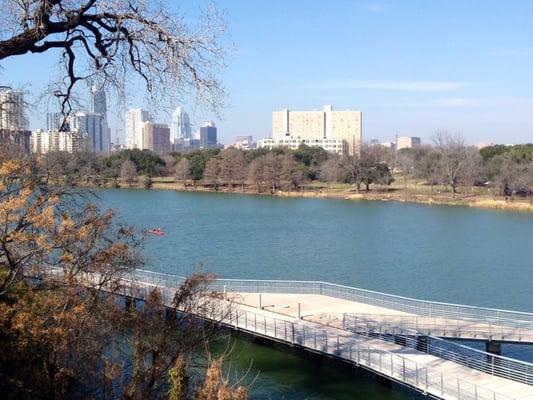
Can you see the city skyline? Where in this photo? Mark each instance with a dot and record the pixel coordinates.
(384, 63)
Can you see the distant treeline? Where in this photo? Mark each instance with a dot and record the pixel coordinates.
(448, 162)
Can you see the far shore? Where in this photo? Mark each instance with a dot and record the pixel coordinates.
(347, 193)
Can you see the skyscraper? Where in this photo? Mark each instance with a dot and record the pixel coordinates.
(99, 106)
(180, 127)
(91, 126)
(156, 137)
(208, 135)
(134, 127)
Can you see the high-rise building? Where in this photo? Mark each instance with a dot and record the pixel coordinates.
(99, 106)
(45, 141)
(208, 135)
(156, 137)
(54, 121)
(407, 142)
(13, 123)
(180, 127)
(316, 125)
(134, 127)
(92, 126)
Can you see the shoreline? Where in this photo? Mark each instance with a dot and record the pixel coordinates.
(481, 202)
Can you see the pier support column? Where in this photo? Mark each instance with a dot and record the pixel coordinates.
(422, 343)
(494, 347)
(170, 314)
(130, 302)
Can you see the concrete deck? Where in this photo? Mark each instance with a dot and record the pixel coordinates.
(329, 311)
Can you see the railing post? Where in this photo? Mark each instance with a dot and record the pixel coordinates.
(275, 329)
(260, 302)
(441, 385)
(299, 311)
(403, 367)
(225, 292)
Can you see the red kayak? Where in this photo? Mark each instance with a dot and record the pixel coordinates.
(156, 231)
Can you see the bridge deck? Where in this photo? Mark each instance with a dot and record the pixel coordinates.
(329, 310)
(370, 349)
(322, 306)
(441, 381)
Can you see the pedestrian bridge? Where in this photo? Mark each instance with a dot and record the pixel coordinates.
(395, 337)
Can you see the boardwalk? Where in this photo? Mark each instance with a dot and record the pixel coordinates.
(327, 320)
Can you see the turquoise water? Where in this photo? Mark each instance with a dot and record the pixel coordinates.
(451, 254)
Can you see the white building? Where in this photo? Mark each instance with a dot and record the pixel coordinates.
(317, 125)
(134, 127)
(338, 146)
(180, 126)
(45, 141)
(407, 142)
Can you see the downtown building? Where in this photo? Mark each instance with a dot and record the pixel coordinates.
(45, 141)
(13, 122)
(156, 137)
(336, 131)
(83, 129)
(407, 142)
(180, 126)
(144, 134)
(208, 136)
(134, 127)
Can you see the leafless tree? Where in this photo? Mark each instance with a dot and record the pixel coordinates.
(353, 167)
(232, 166)
(170, 164)
(291, 172)
(182, 170)
(272, 170)
(256, 173)
(405, 162)
(428, 167)
(128, 172)
(331, 170)
(453, 156)
(212, 172)
(472, 171)
(114, 42)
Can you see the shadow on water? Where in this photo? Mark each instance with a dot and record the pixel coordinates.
(281, 372)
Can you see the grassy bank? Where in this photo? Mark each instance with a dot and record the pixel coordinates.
(413, 192)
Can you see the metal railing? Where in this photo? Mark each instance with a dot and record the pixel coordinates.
(456, 328)
(515, 319)
(345, 346)
(508, 368)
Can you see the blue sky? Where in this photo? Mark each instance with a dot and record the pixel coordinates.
(412, 67)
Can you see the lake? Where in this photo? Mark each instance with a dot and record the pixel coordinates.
(442, 253)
